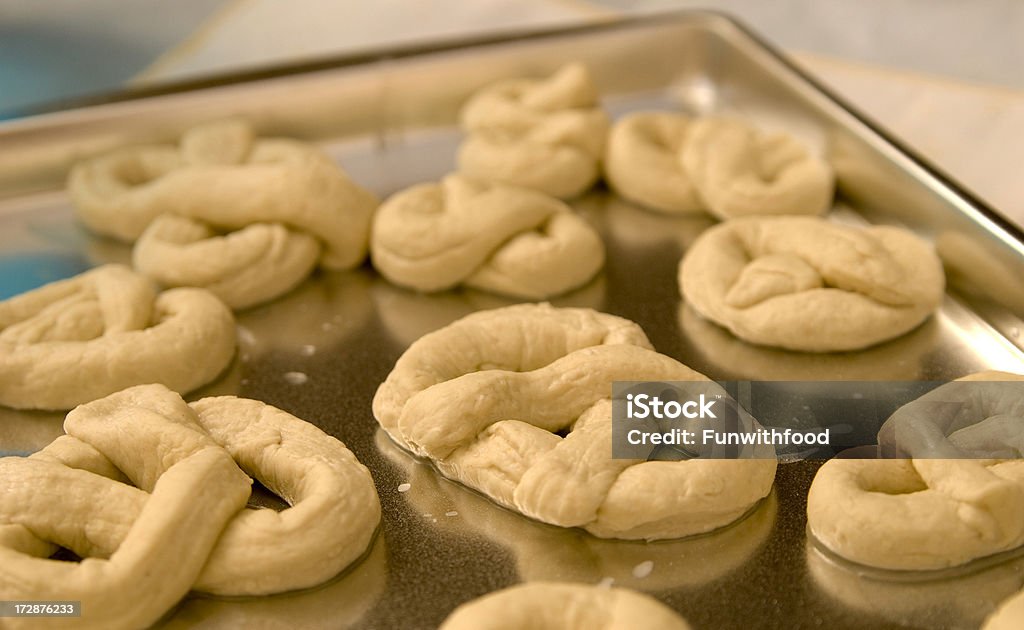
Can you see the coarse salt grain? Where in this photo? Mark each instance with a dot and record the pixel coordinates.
(295, 378)
(643, 569)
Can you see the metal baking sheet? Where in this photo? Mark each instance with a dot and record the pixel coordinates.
(388, 119)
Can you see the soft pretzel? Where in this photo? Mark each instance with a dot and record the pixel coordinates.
(484, 396)
(563, 606)
(925, 513)
(642, 162)
(803, 283)
(79, 339)
(285, 205)
(495, 237)
(161, 550)
(543, 134)
(739, 171)
(243, 268)
(977, 416)
(120, 487)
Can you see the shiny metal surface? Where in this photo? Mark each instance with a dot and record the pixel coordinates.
(388, 122)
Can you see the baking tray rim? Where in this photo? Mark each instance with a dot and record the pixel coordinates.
(40, 116)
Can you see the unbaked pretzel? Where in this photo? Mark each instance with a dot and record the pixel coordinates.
(803, 283)
(162, 549)
(976, 416)
(80, 339)
(925, 513)
(494, 237)
(543, 134)
(642, 162)
(484, 396)
(739, 171)
(1009, 615)
(563, 606)
(284, 205)
(180, 526)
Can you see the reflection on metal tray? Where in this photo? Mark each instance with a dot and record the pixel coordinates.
(389, 121)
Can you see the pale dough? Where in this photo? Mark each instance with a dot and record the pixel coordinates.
(803, 283)
(563, 606)
(131, 437)
(484, 397)
(1009, 615)
(80, 339)
(642, 162)
(161, 550)
(921, 514)
(545, 134)
(284, 206)
(976, 416)
(243, 268)
(738, 171)
(494, 237)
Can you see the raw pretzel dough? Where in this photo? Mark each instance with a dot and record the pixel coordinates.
(80, 339)
(284, 205)
(563, 606)
(805, 284)
(543, 134)
(921, 514)
(162, 549)
(243, 268)
(642, 162)
(494, 237)
(740, 171)
(484, 397)
(977, 416)
(1009, 615)
(76, 492)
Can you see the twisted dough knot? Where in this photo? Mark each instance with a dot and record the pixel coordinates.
(805, 284)
(489, 236)
(292, 207)
(485, 397)
(80, 339)
(563, 606)
(147, 489)
(922, 514)
(740, 171)
(642, 162)
(977, 416)
(543, 134)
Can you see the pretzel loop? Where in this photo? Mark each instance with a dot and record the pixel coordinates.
(160, 553)
(178, 202)
(542, 134)
(80, 339)
(497, 238)
(739, 171)
(805, 284)
(144, 480)
(922, 512)
(485, 396)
